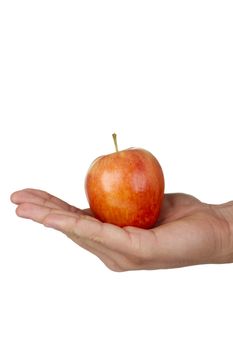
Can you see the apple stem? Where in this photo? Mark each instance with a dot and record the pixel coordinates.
(115, 141)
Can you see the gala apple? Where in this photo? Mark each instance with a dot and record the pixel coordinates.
(126, 188)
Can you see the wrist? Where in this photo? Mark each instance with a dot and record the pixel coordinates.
(225, 215)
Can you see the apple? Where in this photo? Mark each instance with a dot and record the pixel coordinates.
(126, 188)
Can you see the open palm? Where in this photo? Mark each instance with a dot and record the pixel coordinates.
(188, 232)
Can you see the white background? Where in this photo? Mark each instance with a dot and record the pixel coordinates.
(160, 74)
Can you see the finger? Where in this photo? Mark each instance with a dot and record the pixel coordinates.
(34, 212)
(88, 211)
(107, 235)
(39, 214)
(41, 198)
(114, 260)
(73, 224)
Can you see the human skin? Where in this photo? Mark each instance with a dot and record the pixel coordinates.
(188, 232)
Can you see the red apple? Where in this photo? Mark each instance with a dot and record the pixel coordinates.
(126, 188)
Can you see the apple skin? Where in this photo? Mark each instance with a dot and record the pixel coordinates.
(126, 188)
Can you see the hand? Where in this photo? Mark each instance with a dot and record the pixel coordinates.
(188, 232)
